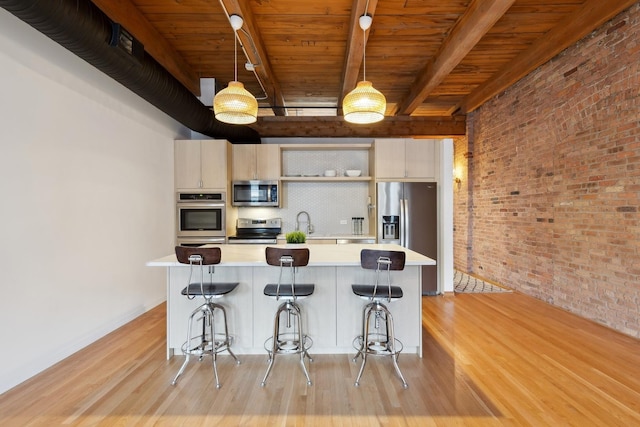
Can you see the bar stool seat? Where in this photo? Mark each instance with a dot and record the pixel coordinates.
(302, 291)
(382, 341)
(209, 289)
(291, 339)
(368, 292)
(206, 341)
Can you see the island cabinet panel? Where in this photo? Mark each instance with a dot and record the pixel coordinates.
(403, 159)
(255, 161)
(318, 310)
(238, 304)
(201, 164)
(406, 311)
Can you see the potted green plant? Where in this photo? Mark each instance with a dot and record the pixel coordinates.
(296, 237)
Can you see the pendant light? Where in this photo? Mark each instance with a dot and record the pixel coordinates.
(234, 104)
(364, 104)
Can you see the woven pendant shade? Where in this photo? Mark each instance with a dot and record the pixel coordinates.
(364, 104)
(235, 105)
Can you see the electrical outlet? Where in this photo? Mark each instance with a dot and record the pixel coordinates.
(343, 222)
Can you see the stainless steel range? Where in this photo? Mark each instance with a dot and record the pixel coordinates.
(257, 231)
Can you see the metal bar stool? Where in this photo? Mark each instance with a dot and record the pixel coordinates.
(291, 339)
(381, 341)
(206, 340)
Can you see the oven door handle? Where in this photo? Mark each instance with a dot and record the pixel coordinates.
(191, 204)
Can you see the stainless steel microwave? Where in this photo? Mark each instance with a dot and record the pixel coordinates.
(255, 193)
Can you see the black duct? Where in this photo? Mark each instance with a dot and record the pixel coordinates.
(82, 28)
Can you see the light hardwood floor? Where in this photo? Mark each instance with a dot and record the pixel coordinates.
(489, 360)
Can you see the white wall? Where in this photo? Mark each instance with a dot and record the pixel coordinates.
(86, 184)
(445, 217)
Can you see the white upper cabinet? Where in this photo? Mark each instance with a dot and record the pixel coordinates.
(255, 161)
(406, 159)
(201, 164)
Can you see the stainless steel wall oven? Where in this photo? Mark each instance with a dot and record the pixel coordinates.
(201, 217)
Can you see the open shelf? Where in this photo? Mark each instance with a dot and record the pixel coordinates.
(325, 178)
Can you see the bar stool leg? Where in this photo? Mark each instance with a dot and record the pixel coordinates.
(187, 355)
(227, 341)
(365, 341)
(392, 340)
(362, 344)
(274, 344)
(303, 351)
(212, 331)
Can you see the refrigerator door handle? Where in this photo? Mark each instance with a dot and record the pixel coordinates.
(403, 224)
(407, 231)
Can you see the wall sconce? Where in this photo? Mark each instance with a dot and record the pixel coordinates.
(456, 177)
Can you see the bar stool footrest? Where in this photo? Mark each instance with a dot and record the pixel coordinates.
(194, 346)
(288, 344)
(377, 345)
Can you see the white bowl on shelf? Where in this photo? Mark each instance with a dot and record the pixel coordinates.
(330, 172)
(353, 172)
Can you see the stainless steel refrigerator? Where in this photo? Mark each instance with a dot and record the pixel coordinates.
(408, 216)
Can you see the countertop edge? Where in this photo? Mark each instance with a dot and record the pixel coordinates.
(325, 256)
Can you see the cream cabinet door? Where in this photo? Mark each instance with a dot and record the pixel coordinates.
(405, 158)
(243, 163)
(267, 161)
(390, 158)
(200, 164)
(420, 158)
(214, 164)
(187, 164)
(255, 161)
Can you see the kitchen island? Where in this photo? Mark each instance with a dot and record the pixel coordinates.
(333, 313)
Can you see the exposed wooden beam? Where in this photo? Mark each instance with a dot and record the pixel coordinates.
(399, 127)
(355, 45)
(254, 49)
(574, 27)
(479, 18)
(127, 14)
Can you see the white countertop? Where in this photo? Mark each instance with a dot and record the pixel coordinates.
(319, 255)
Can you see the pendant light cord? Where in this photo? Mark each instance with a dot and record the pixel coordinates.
(364, 46)
(364, 55)
(235, 55)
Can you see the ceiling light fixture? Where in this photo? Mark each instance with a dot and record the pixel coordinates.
(234, 104)
(364, 104)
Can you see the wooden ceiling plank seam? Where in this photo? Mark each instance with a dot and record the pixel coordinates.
(261, 62)
(127, 14)
(568, 31)
(479, 18)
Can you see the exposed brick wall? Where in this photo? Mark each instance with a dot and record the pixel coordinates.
(553, 201)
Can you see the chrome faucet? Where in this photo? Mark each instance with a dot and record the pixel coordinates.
(309, 226)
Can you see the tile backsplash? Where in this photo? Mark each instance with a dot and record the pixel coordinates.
(326, 202)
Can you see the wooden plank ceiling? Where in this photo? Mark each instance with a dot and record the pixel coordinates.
(434, 60)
